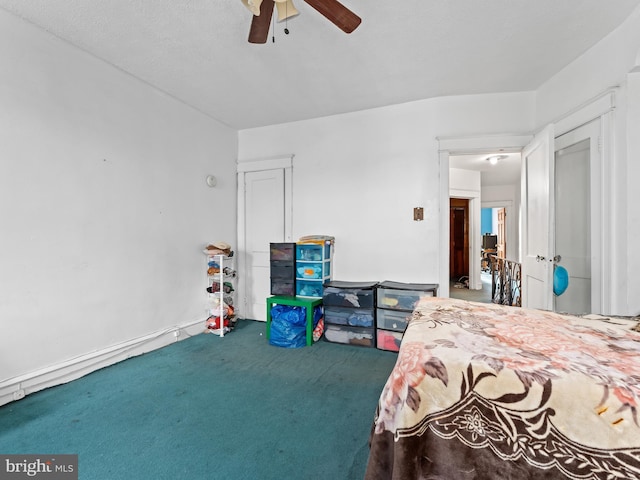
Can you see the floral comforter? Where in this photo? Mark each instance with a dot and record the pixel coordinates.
(485, 391)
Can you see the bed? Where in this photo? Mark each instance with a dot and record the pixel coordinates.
(486, 391)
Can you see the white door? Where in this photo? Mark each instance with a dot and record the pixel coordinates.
(537, 228)
(264, 202)
(577, 219)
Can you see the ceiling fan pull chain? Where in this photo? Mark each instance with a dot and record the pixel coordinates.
(286, 19)
(273, 22)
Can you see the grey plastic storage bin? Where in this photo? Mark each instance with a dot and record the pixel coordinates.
(364, 337)
(349, 294)
(396, 320)
(355, 317)
(403, 296)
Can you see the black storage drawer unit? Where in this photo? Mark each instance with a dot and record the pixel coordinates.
(350, 312)
(283, 268)
(355, 317)
(349, 294)
(396, 320)
(395, 302)
(283, 251)
(403, 296)
(364, 337)
(281, 286)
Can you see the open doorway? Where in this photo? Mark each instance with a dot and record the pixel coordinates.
(459, 242)
(493, 186)
(493, 227)
(462, 262)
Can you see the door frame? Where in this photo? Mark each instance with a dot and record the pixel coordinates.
(282, 162)
(601, 106)
(461, 146)
(591, 131)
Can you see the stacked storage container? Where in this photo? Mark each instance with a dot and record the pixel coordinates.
(349, 312)
(395, 304)
(313, 267)
(283, 268)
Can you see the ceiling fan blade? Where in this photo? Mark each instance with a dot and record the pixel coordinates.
(338, 14)
(260, 24)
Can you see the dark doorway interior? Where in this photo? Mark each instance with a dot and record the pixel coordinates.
(459, 238)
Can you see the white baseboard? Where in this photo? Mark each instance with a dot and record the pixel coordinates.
(18, 387)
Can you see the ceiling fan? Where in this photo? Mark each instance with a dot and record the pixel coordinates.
(262, 10)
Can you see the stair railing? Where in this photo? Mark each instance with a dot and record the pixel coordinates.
(506, 283)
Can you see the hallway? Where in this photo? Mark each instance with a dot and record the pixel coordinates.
(482, 296)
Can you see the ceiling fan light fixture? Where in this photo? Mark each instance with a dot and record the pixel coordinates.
(494, 159)
(253, 6)
(332, 10)
(286, 10)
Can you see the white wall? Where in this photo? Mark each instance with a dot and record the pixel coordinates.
(103, 205)
(464, 183)
(358, 176)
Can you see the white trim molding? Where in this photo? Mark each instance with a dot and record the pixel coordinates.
(267, 163)
(483, 144)
(596, 107)
(17, 388)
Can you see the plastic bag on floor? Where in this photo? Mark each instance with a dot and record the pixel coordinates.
(288, 326)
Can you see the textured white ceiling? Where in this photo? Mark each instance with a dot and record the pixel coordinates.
(506, 172)
(197, 50)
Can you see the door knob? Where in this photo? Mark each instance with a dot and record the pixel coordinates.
(557, 258)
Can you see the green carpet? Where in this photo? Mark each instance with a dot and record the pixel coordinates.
(211, 408)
